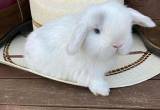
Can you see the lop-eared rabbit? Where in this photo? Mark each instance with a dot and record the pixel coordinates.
(82, 47)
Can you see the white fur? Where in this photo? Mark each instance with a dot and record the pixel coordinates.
(69, 49)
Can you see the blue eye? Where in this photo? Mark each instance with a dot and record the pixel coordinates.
(97, 31)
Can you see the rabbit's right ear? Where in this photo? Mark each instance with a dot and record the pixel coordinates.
(141, 19)
(78, 38)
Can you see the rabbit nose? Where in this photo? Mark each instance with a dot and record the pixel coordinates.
(117, 45)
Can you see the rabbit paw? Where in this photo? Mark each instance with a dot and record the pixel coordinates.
(98, 87)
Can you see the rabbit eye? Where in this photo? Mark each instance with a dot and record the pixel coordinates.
(97, 31)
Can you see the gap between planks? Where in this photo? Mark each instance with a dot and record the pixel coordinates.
(18, 107)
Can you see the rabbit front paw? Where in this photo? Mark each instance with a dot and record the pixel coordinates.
(98, 87)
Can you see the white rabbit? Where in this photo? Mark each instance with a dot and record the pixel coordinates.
(83, 47)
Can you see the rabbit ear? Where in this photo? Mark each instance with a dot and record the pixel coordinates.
(141, 19)
(78, 37)
(93, 17)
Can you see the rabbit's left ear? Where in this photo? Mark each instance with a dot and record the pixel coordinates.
(141, 19)
(78, 38)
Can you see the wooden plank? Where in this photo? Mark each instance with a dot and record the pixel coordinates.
(10, 72)
(43, 92)
(15, 107)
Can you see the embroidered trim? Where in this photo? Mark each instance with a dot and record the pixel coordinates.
(8, 57)
(132, 65)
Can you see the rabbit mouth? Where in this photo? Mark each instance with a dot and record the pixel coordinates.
(117, 46)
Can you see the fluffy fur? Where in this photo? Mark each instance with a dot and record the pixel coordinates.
(83, 47)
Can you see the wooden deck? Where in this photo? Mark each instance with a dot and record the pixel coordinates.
(21, 90)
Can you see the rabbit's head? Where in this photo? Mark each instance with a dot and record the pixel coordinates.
(104, 30)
